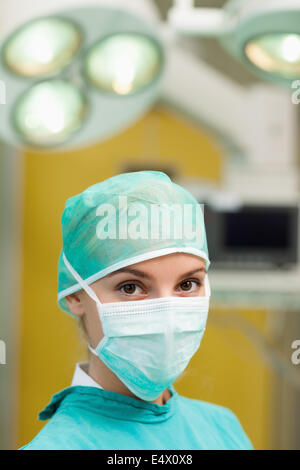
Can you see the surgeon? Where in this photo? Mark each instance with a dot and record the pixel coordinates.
(133, 271)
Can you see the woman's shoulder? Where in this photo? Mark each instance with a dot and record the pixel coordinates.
(207, 407)
(53, 436)
(58, 433)
(221, 418)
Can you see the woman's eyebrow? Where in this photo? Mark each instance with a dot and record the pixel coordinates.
(137, 272)
(190, 273)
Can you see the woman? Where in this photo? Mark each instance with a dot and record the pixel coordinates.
(133, 270)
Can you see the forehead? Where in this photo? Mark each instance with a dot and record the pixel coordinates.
(176, 263)
(174, 259)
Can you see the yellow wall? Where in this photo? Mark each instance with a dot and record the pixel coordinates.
(50, 342)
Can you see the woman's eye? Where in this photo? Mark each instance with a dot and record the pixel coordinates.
(187, 285)
(130, 288)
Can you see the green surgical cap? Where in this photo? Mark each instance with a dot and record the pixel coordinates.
(127, 219)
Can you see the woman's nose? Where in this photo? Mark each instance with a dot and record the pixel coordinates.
(163, 292)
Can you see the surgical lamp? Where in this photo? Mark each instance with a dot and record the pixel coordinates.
(262, 34)
(77, 75)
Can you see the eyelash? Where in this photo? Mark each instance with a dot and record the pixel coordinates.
(132, 283)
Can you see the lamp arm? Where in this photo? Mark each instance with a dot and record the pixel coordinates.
(188, 20)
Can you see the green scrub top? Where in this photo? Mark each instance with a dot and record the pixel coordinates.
(82, 417)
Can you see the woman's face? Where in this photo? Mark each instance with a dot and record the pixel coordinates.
(178, 274)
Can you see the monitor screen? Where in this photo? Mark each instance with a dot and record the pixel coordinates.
(257, 228)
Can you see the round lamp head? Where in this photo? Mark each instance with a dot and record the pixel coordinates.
(49, 112)
(265, 36)
(278, 54)
(123, 63)
(42, 47)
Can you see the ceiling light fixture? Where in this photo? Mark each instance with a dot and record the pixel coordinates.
(77, 76)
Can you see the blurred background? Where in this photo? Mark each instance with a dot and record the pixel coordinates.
(206, 92)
